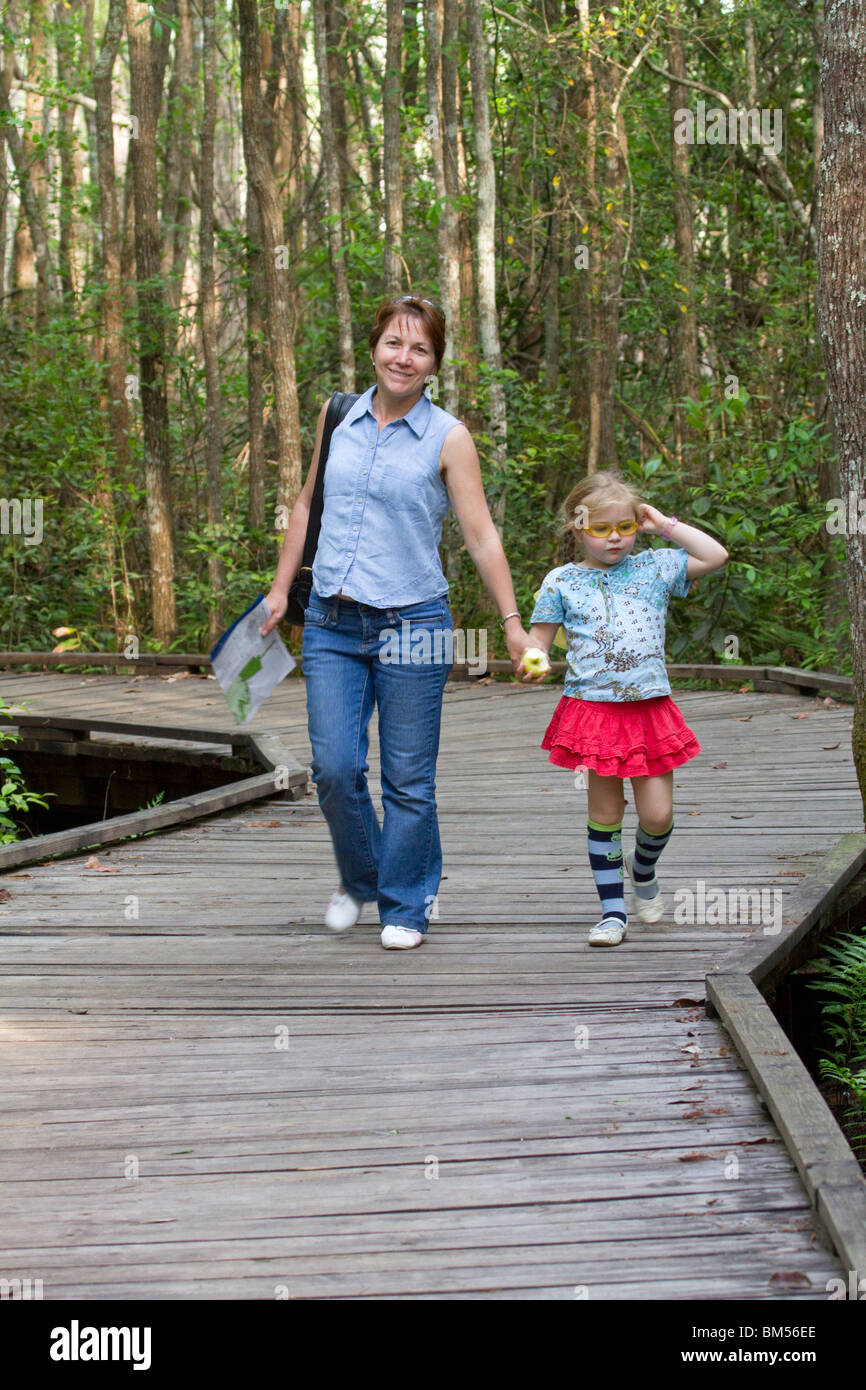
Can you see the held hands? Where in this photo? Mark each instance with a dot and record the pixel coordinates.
(520, 647)
(278, 602)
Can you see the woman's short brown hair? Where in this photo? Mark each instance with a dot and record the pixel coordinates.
(423, 309)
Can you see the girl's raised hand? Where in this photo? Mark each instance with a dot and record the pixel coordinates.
(650, 519)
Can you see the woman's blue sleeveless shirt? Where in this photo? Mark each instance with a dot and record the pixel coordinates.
(385, 502)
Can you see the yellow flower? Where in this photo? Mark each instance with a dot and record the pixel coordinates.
(643, 265)
(510, 240)
(556, 180)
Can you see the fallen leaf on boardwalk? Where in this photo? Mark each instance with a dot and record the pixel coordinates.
(76, 1011)
(799, 716)
(828, 747)
(93, 863)
(746, 815)
(765, 1139)
(741, 718)
(5, 895)
(686, 1003)
(691, 1048)
(830, 702)
(720, 764)
(694, 813)
(791, 1278)
(692, 1158)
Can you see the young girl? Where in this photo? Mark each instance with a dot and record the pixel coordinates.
(616, 718)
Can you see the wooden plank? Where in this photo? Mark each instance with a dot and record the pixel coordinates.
(64, 842)
(828, 1168)
(463, 1050)
(811, 899)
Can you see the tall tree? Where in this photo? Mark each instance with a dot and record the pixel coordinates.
(684, 345)
(151, 321)
(207, 299)
(392, 103)
(447, 227)
(485, 240)
(278, 267)
(334, 202)
(113, 400)
(29, 260)
(842, 307)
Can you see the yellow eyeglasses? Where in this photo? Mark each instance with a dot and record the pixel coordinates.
(602, 529)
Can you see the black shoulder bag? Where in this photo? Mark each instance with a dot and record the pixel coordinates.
(299, 592)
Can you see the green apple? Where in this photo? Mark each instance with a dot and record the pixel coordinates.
(534, 662)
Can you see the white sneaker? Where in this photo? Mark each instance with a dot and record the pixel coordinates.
(401, 938)
(648, 909)
(342, 911)
(610, 931)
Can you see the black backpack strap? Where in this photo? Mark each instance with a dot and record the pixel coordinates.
(338, 407)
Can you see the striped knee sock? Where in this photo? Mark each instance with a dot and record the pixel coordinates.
(605, 859)
(647, 849)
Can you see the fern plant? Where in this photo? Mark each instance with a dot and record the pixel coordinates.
(843, 977)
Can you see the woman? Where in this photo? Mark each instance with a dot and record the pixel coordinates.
(377, 628)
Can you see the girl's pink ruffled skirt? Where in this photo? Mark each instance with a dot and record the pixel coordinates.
(630, 738)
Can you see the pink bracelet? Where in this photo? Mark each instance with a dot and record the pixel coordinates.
(672, 522)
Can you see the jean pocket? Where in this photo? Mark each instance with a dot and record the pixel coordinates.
(435, 614)
(315, 617)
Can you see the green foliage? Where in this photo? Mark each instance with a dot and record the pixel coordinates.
(15, 799)
(844, 1016)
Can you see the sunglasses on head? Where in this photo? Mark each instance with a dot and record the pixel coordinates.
(602, 529)
(416, 299)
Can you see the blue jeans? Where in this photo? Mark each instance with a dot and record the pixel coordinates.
(356, 656)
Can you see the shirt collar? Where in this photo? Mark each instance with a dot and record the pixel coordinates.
(417, 418)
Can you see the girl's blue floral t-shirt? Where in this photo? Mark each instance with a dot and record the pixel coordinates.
(614, 621)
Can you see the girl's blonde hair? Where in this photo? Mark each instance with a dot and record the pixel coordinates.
(592, 493)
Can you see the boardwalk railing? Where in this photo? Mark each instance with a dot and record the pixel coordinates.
(830, 1171)
(789, 680)
(282, 775)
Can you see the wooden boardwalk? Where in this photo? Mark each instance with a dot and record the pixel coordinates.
(218, 1098)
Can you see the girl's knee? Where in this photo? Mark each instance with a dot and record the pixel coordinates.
(655, 825)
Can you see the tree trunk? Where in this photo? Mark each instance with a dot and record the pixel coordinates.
(392, 100)
(67, 73)
(686, 374)
(605, 194)
(842, 307)
(277, 261)
(449, 131)
(113, 401)
(151, 320)
(485, 233)
(176, 203)
(30, 273)
(257, 291)
(334, 203)
(213, 434)
(447, 228)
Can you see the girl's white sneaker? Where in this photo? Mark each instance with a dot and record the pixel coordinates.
(610, 931)
(342, 911)
(400, 938)
(648, 909)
